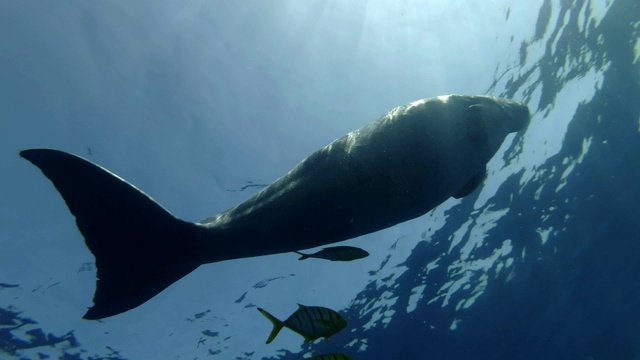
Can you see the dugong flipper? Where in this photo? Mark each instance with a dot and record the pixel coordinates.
(395, 169)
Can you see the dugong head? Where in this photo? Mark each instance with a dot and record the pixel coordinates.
(515, 114)
(495, 115)
(483, 121)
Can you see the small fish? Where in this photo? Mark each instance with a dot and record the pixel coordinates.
(336, 253)
(336, 356)
(312, 322)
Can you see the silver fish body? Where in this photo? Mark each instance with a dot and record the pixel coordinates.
(336, 253)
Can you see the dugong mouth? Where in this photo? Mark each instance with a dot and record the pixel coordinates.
(518, 113)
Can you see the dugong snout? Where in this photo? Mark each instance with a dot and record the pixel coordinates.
(517, 112)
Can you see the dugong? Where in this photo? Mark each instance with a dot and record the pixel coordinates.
(392, 170)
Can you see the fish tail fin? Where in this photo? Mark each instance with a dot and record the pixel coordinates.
(277, 324)
(304, 256)
(139, 247)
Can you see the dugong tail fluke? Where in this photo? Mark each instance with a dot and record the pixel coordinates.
(140, 248)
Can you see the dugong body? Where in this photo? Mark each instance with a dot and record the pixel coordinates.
(394, 169)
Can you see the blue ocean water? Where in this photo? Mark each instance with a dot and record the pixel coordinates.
(541, 262)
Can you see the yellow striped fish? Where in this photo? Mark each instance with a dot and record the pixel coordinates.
(312, 322)
(330, 357)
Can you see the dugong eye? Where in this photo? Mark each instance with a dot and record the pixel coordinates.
(477, 122)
